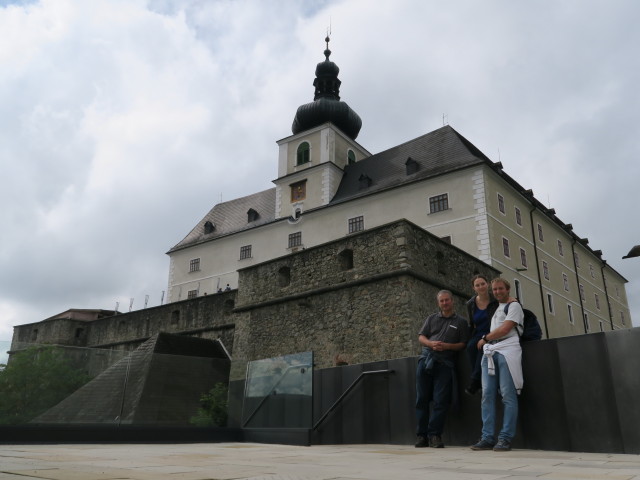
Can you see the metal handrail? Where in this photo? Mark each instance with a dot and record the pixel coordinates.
(264, 399)
(346, 392)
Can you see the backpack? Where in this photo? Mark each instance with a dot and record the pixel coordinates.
(531, 328)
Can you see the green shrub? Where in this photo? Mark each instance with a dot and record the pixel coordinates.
(213, 410)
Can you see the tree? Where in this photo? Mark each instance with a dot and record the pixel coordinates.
(35, 380)
(213, 412)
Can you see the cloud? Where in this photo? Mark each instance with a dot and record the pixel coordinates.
(123, 122)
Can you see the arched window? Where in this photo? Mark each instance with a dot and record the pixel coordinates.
(304, 154)
(351, 157)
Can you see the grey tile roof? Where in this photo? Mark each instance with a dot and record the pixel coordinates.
(441, 151)
(231, 217)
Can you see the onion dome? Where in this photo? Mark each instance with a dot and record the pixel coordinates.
(326, 105)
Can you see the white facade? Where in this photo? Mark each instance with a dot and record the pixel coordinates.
(487, 214)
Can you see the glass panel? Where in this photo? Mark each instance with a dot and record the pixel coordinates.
(278, 392)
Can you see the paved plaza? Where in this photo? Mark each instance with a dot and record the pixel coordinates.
(250, 461)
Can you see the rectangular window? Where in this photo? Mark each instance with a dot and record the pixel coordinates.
(356, 224)
(523, 257)
(601, 325)
(245, 252)
(586, 323)
(194, 265)
(540, 233)
(597, 300)
(501, 204)
(560, 250)
(439, 203)
(550, 303)
(622, 317)
(192, 294)
(518, 290)
(570, 311)
(565, 282)
(581, 287)
(545, 270)
(591, 271)
(295, 239)
(518, 217)
(298, 191)
(617, 291)
(576, 259)
(505, 247)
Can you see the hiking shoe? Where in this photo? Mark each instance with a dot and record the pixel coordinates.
(422, 442)
(436, 442)
(502, 446)
(482, 445)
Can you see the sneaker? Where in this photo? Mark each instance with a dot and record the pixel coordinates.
(436, 442)
(502, 446)
(422, 442)
(482, 445)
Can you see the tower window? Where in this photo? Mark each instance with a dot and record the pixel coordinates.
(303, 155)
(565, 281)
(540, 233)
(351, 157)
(545, 270)
(299, 191)
(570, 311)
(523, 257)
(560, 249)
(192, 294)
(518, 216)
(439, 203)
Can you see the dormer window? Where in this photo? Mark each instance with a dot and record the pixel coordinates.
(252, 215)
(365, 181)
(209, 227)
(304, 154)
(412, 166)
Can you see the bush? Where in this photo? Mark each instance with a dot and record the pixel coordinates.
(35, 380)
(213, 412)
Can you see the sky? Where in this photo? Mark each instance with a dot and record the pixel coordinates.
(122, 122)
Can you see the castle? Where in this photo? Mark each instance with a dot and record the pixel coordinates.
(349, 242)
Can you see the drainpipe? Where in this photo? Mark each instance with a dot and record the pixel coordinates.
(606, 292)
(535, 252)
(575, 268)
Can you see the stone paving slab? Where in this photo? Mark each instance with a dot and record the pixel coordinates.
(230, 461)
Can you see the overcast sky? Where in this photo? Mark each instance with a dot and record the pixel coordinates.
(123, 122)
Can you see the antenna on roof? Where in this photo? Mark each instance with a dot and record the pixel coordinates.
(445, 119)
(162, 298)
(499, 159)
(130, 303)
(146, 300)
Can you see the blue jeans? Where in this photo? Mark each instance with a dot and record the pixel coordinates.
(435, 385)
(491, 384)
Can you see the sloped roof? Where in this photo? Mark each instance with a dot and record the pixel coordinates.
(438, 152)
(231, 217)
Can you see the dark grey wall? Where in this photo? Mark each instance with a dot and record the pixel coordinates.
(580, 394)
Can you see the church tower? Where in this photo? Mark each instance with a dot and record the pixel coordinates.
(311, 162)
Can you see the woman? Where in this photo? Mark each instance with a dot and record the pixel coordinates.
(480, 309)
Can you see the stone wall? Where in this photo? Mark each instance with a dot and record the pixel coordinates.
(359, 299)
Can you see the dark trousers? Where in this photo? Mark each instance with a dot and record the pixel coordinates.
(434, 386)
(475, 360)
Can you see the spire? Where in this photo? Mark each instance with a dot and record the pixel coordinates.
(326, 105)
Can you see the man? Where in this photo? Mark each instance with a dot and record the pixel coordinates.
(441, 336)
(501, 369)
